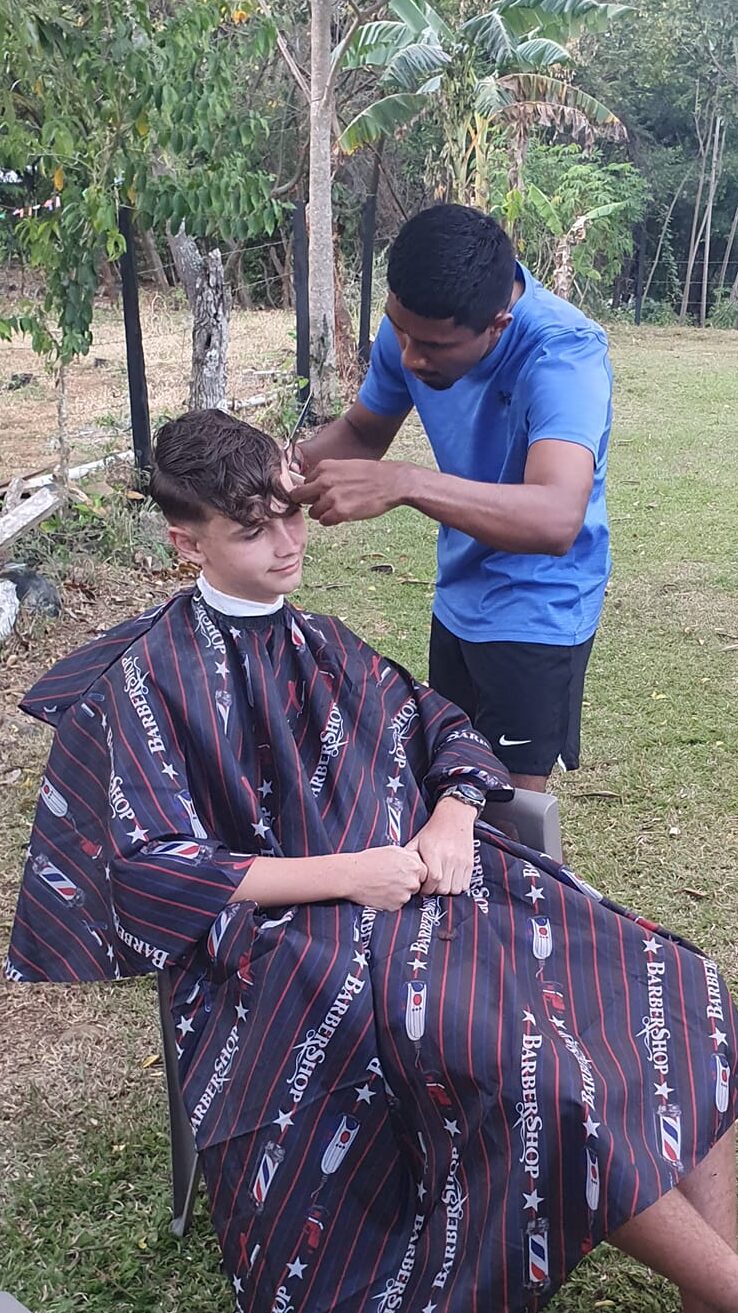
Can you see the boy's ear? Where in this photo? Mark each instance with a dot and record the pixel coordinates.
(186, 544)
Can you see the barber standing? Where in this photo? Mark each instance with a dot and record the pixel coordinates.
(513, 387)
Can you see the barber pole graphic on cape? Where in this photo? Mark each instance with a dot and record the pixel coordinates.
(656, 1036)
(271, 1158)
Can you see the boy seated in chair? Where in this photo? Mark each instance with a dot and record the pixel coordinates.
(425, 1067)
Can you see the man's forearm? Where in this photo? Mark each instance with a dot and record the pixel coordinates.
(509, 517)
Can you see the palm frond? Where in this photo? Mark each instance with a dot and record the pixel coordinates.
(414, 65)
(374, 44)
(382, 120)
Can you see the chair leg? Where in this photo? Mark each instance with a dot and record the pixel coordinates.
(185, 1162)
(184, 1189)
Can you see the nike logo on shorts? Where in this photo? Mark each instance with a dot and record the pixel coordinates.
(512, 743)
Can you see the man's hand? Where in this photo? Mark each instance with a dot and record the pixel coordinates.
(341, 490)
(446, 845)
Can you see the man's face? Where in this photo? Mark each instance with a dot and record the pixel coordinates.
(439, 351)
(258, 562)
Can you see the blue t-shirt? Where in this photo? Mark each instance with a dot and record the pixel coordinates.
(548, 377)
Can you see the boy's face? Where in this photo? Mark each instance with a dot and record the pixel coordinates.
(258, 563)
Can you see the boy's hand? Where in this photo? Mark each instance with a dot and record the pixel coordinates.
(385, 878)
(446, 845)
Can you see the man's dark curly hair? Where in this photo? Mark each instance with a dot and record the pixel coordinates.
(208, 461)
(453, 262)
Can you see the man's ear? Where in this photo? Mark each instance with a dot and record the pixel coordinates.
(500, 322)
(186, 544)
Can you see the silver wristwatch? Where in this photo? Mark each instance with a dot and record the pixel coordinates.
(468, 793)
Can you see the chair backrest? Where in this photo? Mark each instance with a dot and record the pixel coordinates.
(536, 819)
(10, 1305)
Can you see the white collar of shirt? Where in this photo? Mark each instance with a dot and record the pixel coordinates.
(235, 605)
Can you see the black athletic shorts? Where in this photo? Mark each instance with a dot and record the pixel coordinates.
(526, 698)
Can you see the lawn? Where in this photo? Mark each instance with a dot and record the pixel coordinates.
(651, 818)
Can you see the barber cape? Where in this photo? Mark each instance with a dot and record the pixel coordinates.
(437, 1109)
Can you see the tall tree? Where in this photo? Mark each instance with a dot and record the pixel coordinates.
(506, 67)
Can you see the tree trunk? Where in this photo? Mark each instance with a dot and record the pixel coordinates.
(728, 252)
(715, 171)
(563, 274)
(664, 230)
(320, 221)
(154, 266)
(211, 316)
(234, 276)
(62, 472)
(187, 261)
(694, 239)
(346, 347)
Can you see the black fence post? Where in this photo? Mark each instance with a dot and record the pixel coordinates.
(137, 390)
(368, 228)
(302, 302)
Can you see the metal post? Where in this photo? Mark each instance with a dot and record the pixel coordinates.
(137, 391)
(302, 302)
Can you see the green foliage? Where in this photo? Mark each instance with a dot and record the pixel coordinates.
(124, 103)
(484, 70)
(568, 192)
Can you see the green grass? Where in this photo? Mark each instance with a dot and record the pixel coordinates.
(650, 817)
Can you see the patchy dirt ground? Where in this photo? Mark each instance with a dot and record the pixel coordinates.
(98, 386)
(61, 1037)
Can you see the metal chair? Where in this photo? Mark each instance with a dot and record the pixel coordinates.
(10, 1305)
(536, 818)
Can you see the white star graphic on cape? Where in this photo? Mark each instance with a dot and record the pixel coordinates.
(222, 669)
(138, 835)
(663, 1090)
(296, 1269)
(265, 788)
(720, 1037)
(170, 771)
(558, 1023)
(179, 1049)
(532, 1200)
(591, 1127)
(107, 871)
(528, 1016)
(283, 1120)
(417, 965)
(651, 945)
(104, 721)
(451, 1127)
(234, 633)
(430, 1308)
(259, 829)
(111, 952)
(394, 784)
(535, 894)
(360, 959)
(238, 1285)
(422, 1192)
(365, 1095)
(241, 1011)
(184, 1026)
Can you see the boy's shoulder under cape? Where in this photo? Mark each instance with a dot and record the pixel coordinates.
(69, 679)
